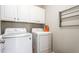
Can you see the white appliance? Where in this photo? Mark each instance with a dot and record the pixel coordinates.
(41, 41)
(17, 40)
(1, 43)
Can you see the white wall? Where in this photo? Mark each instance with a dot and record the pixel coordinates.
(65, 39)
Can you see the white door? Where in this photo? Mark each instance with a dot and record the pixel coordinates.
(44, 43)
(42, 15)
(37, 14)
(32, 13)
(24, 45)
(9, 12)
(23, 13)
(2, 11)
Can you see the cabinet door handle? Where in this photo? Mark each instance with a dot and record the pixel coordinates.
(29, 38)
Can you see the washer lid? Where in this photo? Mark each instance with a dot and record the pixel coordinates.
(16, 35)
(15, 30)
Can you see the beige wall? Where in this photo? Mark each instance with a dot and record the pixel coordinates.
(28, 26)
(65, 39)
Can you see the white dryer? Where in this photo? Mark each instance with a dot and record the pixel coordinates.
(17, 40)
(41, 41)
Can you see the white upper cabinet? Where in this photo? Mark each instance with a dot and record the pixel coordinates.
(30, 13)
(9, 12)
(23, 13)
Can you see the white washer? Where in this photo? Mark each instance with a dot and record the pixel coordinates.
(17, 40)
(1, 43)
(41, 41)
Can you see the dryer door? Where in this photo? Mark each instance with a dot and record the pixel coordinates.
(45, 43)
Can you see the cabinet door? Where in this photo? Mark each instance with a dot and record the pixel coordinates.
(2, 11)
(9, 12)
(32, 13)
(37, 14)
(45, 43)
(42, 15)
(23, 13)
